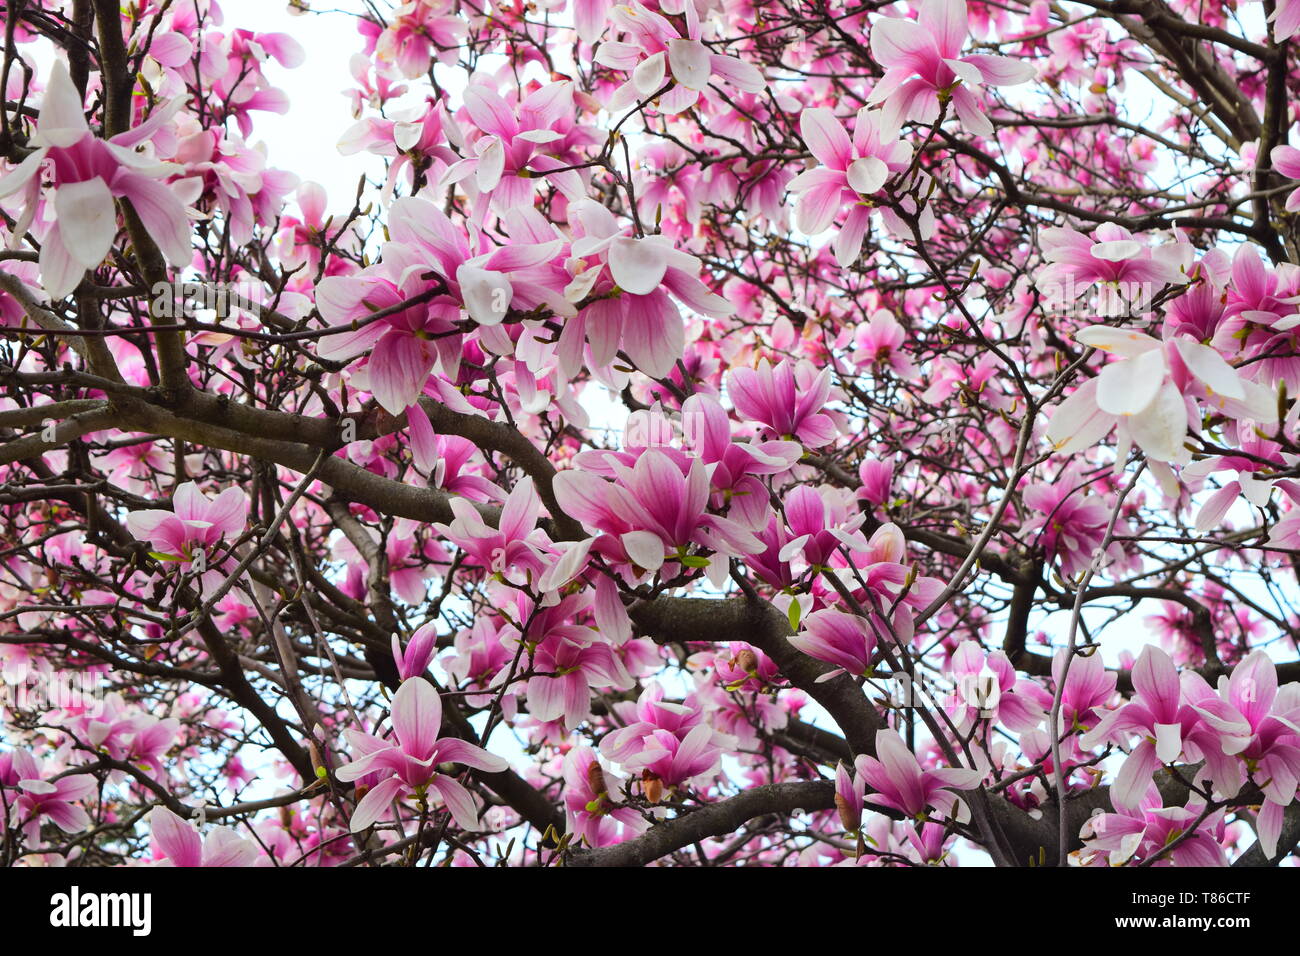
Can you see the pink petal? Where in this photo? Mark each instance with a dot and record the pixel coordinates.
(825, 137)
(417, 717)
(375, 803)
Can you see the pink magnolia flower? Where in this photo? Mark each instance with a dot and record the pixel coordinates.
(1286, 533)
(1127, 272)
(124, 733)
(591, 18)
(786, 399)
(87, 174)
(1136, 833)
(592, 797)
(373, 92)
(1088, 688)
(1255, 490)
(659, 49)
(850, 170)
(837, 637)
(879, 344)
(1073, 523)
(929, 844)
(641, 719)
(877, 479)
(513, 548)
(736, 464)
(819, 524)
(900, 783)
(106, 727)
(134, 467)
(520, 146)
(923, 63)
(569, 665)
(1259, 318)
(653, 510)
(1286, 23)
(220, 171)
(45, 799)
(178, 843)
(405, 346)
(235, 62)
(625, 283)
(191, 532)
(300, 241)
(987, 688)
(1198, 312)
(878, 563)
(457, 459)
(416, 139)
(1260, 725)
(1165, 721)
(420, 31)
(666, 760)
(411, 764)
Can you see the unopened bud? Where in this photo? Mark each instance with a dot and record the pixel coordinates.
(316, 760)
(653, 787)
(747, 661)
(848, 817)
(596, 778)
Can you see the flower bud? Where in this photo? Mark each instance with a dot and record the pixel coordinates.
(848, 816)
(653, 787)
(316, 760)
(596, 778)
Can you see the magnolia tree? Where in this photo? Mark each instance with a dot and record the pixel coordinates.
(714, 433)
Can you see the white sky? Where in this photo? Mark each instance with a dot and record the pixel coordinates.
(305, 140)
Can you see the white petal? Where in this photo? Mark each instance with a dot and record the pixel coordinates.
(1169, 742)
(867, 175)
(638, 265)
(1160, 429)
(645, 548)
(1129, 386)
(1124, 342)
(62, 122)
(491, 163)
(690, 63)
(87, 220)
(1077, 423)
(1209, 366)
(486, 294)
(1116, 250)
(649, 74)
